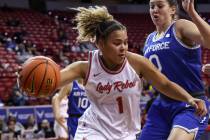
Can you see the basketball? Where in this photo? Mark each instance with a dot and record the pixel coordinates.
(39, 76)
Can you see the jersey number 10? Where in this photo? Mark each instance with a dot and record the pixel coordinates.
(83, 103)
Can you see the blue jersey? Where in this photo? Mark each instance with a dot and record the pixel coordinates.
(78, 103)
(174, 59)
(181, 65)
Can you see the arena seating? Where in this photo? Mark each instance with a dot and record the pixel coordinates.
(39, 30)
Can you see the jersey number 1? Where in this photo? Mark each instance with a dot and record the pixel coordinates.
(120, 104)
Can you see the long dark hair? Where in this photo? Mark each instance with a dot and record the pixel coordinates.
(176, 4)
(173, 2)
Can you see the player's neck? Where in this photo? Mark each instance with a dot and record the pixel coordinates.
(163, 28)
(111, 67)
(159, 35)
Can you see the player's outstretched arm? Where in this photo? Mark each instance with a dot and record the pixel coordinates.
(145, 68)
(197, 31)
(73, 71)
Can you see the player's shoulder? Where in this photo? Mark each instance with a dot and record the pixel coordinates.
(131, 55)
(135, 60)
(81, 63)
(149, 37)
(78, 65)
(81, 67)
(151, 34)
(183, 23)
(67, 88)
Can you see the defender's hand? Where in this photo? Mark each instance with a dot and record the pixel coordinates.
(188, 6)
(199, 105)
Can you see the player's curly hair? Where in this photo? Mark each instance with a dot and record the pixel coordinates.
(94, 23)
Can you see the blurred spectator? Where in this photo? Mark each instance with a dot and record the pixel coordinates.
(75, 49)
(63, 59)
(17, 98)
(207, 88)
(147, 97)
(46, 130)
(18, 36)
(66, 46)
(86, 46)
(153, 94)
(18, 126)
(21, 49)
(26, 51)
(1, 103)
(4, 65)
(147, 93)
(2, 38)
(56, 21)
(53, 35)
(31, 123)
(10, 45)
(30, 128)
(13, 22)
(2, 125)
(62, 34)
(11, 125)
(30, 48)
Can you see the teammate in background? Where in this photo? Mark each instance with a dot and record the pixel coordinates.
(73, 102)
(112, 80)
(206, 69)
(174, 49)
(61, 115)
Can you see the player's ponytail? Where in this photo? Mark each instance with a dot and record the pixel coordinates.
(95, 22)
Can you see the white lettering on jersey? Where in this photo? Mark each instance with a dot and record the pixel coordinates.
(158, 47)
(79, 93)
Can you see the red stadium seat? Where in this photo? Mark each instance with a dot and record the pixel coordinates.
(40, 28)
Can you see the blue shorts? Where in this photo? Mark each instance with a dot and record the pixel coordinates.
(166, 114)
(72, 123)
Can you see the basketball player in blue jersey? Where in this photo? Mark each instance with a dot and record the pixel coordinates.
(175, 50)
(77, 104)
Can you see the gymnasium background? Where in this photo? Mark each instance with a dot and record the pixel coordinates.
(44, 27)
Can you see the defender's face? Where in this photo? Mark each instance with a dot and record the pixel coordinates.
(161, 12)
(115, 47)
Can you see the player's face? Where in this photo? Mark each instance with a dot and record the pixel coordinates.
(161, 12)
(114, 48)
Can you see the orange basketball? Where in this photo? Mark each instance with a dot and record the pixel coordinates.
(39, 76)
